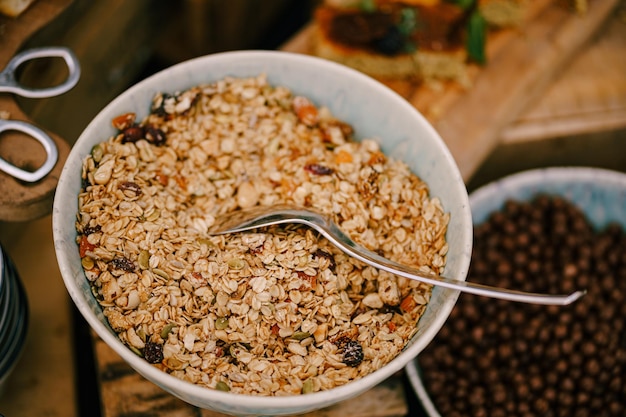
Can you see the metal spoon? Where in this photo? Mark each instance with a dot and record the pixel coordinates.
(260, 216)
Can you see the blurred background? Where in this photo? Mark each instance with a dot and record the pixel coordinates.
(120, 42)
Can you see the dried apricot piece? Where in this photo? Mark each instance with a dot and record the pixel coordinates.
(123, 121)
(305, 110)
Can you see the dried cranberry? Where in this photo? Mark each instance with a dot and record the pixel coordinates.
(84, 246)
(153, 352)
(317, 169)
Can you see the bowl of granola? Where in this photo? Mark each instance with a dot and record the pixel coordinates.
(275, 321)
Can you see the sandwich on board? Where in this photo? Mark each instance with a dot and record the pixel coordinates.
(414, 39)
(391, 39)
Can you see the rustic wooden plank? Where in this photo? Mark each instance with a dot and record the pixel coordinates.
(589, 97)
(126, 393)
(434, 100)
(15, 31)
(472, 126)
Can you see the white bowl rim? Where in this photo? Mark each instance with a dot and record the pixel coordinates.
(308, 401)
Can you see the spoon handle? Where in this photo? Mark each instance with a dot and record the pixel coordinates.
(331, 232)
(252, 219)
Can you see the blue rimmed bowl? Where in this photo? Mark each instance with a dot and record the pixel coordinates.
(599, 193)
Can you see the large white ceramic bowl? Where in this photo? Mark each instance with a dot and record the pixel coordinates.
(374, 110)
(599, 193)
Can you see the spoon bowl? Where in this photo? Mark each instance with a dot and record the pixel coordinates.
(263, 216)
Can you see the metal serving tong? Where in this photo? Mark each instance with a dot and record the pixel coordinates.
(9, 84)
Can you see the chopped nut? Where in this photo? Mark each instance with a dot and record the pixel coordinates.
(104, 172)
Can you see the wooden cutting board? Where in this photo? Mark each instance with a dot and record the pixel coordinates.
(589, 97)
(522, 63)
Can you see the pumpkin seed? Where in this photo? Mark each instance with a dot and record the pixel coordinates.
(142, 334)
(87, 262)
(236, 263)
(207, 242)
(221, 323)
(96, 153)
(144, 259)
(222, 386)
(135, 351)
(153, 215)
(167, 329)
(307, 386)
(161, 273)
(300, 335)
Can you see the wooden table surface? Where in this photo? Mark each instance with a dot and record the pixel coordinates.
(44, 382)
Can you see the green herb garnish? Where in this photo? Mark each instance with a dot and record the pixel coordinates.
(476, 37)
(368, 5)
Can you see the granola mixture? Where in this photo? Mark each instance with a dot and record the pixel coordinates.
(276, 311)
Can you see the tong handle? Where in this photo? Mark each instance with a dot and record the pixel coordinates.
(9, 84)
(42, 137)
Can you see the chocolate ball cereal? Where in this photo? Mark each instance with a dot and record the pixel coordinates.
(498, 358)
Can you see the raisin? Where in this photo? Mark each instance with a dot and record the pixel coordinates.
(132, 134)
(153, 352)
(317, 169)
(133, 187)
(158, 104)
(155, 136)
(124, 264)
(89, 230)
(352, 353)
(323, 254)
